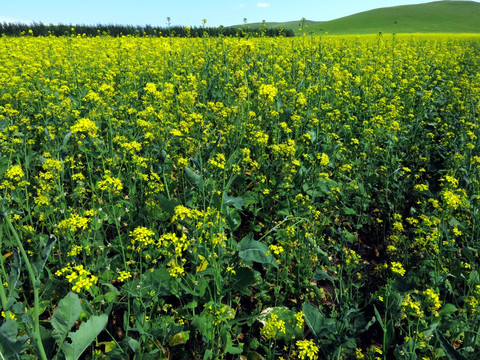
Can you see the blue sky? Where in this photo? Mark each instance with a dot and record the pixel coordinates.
(186, 12)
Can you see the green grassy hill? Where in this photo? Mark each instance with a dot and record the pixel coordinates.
(433, 17)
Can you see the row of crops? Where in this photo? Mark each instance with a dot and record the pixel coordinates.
(226, 198)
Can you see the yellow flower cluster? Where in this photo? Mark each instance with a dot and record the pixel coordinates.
(268, 91)
(14, 176)
(142, 237)
(324, 159)
(85, 126)
(432, 300)
(75, 250)
(218, 161)
(397, 268)
(15, 173)
(411, 307)
(73, 223)
(307, 349)
(300, 317)
(276, 249)
(170, 240)
(124, 275)
(272, 326)
(352, 257)
(78, 276)
(110, 184)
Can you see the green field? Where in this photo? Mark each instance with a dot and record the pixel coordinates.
(433, 17)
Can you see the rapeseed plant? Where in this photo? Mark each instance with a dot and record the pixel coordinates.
(196, 180)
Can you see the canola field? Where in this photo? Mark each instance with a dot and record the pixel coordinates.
(225, 198)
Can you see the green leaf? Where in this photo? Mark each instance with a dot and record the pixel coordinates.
(314, 319)
(65, 316)
(14, 278)
(208, 355)
(448, 309)
(234, 350)
(379, 318)
(203, 323)
(252, 250)
(194, 178)
(236, 202)
(349, 236)
(389, 333)
(233, 219)
(158, 280)
(429, 331)
(66, 138)
(322, 275)
(243, 277)
(45, 254)
(470, 253)
(134, 344)
(166, 204)
(84, 336)
(454, 222)
(11, 344)
(450, 351)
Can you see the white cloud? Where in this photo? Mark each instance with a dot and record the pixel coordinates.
(6, 19)
(263, 5)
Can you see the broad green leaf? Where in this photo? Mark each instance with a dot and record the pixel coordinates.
(322, 275)
(9, 330)
(194, 178)
(233, 219)
(448, 309)
(314, 319)
(252, 250)
(134, 344)
(84, 336)
(454, 222)
(429, 331)
(236, 202)
(166, 204)
(470, 253)
(65, 316)
(242, 278)
(158, 280)
(11, 344)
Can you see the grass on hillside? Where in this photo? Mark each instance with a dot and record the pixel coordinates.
(433, 17)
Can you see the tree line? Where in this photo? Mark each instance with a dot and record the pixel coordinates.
(40, 29)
